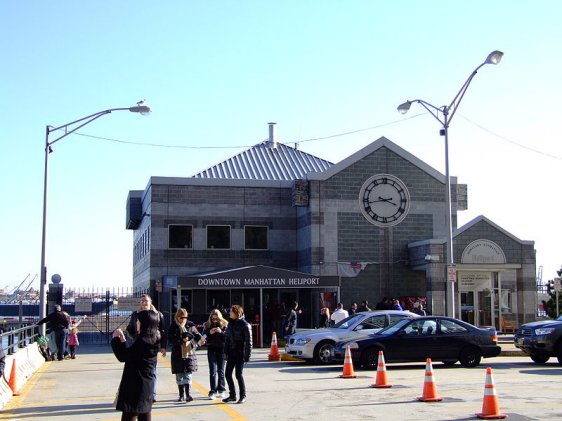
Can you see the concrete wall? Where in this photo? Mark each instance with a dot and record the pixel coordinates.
(27, 361)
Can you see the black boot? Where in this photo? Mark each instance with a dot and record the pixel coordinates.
(231, 398)
(180, 388)
(242, 398)
(188, 397)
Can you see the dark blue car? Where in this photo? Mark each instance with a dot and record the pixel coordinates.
(439, 338)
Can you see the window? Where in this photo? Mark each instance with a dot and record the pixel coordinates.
(448, 326)
(421, 327)
(255, 237)
(375, 322)
(218, 236)
(180, 236)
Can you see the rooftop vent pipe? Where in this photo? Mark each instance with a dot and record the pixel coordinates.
(271, 140)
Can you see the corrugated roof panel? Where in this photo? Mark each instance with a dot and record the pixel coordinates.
(264, 162)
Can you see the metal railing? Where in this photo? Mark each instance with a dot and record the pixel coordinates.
(13, 339)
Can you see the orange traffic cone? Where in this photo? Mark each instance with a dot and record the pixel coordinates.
(382, 379)
(429, 388)
(274, 351)
(13, 379)
(348, 372)
(490, 405)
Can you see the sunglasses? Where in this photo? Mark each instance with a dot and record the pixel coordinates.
(183, 317)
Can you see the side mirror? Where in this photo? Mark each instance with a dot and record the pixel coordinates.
(359, 327)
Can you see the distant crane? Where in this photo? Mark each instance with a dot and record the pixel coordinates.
(539, 276)
(25, 292)
(19, 286)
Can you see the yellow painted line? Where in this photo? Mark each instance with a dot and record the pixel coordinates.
(16, 401)
(226, 408)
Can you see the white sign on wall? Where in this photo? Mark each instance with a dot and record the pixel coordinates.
(483, 252)
(128, 303)
(83, 305)
(474, 281)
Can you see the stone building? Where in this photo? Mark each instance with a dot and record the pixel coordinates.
(273, 225)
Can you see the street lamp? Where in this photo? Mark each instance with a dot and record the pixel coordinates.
(444, 115)
(141, 108)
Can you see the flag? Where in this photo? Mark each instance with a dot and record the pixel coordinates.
(351, 269)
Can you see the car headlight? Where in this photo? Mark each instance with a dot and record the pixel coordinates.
(544, 331)
(302, 341)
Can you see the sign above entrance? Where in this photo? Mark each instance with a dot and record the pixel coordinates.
(257, 277)
(474, 281)
(483, 252)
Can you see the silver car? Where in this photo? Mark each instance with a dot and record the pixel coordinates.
(317, 344)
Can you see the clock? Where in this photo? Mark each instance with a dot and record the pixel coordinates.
(384, 200)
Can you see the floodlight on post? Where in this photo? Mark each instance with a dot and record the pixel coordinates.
(68, 128)
(444, 115)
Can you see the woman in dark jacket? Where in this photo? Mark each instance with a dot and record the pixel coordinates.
(137, 383)
(184, 338)
(145, 303)
(238, 348)
(324, 317)
(214, 329)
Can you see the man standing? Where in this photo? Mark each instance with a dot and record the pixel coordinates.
(59, 325)
(339, 314)
(364, 306)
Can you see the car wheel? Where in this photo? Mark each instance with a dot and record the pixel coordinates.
(539, 358)
(559, 352)
(370, 358)
(323, 352)
(470, 357)
(450, 363)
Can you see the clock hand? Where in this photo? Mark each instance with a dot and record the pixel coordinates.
(382, 199)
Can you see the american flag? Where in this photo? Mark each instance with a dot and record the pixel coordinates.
(351, 269)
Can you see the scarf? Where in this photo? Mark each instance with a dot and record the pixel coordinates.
(186, 347)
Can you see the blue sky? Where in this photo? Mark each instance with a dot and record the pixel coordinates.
(216, 72)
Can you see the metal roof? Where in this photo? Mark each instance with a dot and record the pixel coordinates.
(267, 161)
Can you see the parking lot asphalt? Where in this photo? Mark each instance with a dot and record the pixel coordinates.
(84, 389)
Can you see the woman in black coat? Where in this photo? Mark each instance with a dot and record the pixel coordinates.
(184, 338)
(137, 382)
(238, 349)
(214, 329)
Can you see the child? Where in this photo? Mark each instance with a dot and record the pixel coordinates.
(73, 342)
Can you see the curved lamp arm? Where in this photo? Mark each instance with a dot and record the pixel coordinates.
(141, 107)
(449, 111)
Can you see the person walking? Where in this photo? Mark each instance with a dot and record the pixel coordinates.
(59, 325)
(324, 318)
(339, 314)
(72, 324)
(418, 309)
(214, 330)
(291, 320)
(184, 338)
(364, 306)
(145, 303)
(73, 342)
(353, 309)
(238, 348)
(134, 397)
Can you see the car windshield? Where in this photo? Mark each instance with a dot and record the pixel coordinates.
(559, 318)
(389, 330)
(348, 321)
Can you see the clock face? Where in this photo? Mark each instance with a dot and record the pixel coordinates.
(384, 200)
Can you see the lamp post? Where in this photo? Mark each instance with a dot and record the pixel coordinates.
(444, 115)
(68, 128)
